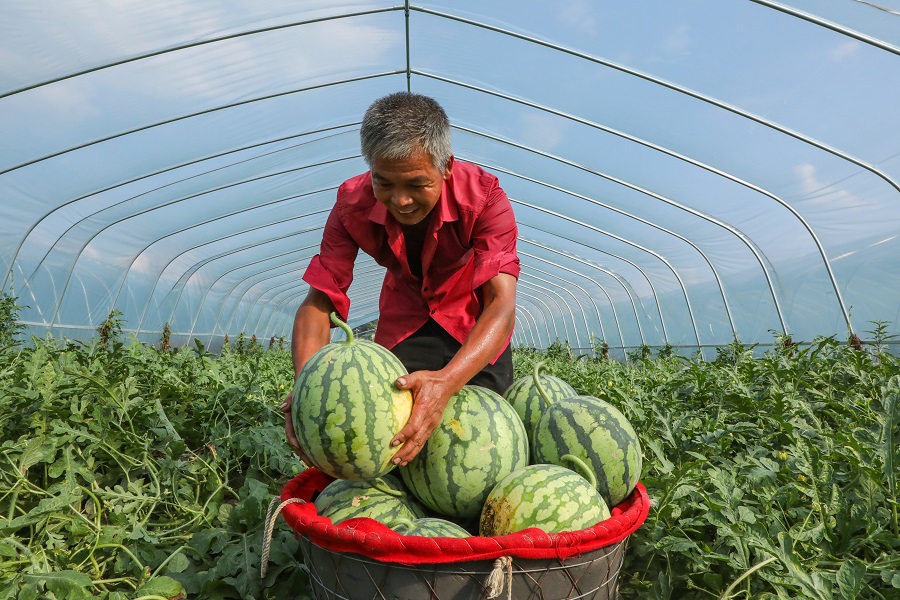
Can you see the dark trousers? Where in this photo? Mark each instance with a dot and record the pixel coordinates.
(431, 348)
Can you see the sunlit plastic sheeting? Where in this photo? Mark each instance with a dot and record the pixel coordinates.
(710, 171)
(169, 86)
(868, 22)
(538, 320)
(561, 314)
(136, 137)
(58, 38)
(756, 150)
(575, 297)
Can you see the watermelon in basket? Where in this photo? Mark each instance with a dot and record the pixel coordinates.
(362, 559)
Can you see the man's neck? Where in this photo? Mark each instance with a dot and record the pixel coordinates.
(419, 228)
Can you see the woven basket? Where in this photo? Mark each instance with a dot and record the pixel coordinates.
(361, 559)
(334, 575)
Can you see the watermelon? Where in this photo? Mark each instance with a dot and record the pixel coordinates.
(346, 409)
(549, 497)
(382, 499)
(479, 440)
(596, 432)
(532, 394)
(429, 527)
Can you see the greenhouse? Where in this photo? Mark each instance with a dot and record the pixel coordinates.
(695, 184)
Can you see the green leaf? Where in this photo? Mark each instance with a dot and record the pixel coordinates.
(64, 584)
(891, 577)
(850, 578)
(10, 589)
(47, 506)
(37, 450)
(8, 550)
(139, 533)
(162, 586)
(664, 464)
(29, 591)
(224, 512)
(239, 566)
(746, 515)
(211, 541)
(178, 564)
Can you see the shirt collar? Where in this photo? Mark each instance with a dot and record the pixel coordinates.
(378, 213)
(447, 204)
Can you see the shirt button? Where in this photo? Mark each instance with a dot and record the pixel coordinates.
(433, 311)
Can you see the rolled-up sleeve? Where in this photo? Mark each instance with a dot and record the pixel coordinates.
(331, 271)
(494, 240)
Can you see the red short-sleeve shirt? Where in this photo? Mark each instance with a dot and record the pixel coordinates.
(470, 239)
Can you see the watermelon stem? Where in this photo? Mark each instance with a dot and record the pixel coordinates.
(382, 486)
(403, 523)
(539, 368)
(345, 327)
(581, 467)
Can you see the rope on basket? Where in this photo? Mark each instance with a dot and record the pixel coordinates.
(272, 514)
(496, 580)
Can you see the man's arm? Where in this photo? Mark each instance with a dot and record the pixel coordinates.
(433, 389)
(311, 331)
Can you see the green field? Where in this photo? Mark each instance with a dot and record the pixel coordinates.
(130, 472)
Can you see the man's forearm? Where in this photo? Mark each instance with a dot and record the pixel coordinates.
(312, 328)
(490, 333)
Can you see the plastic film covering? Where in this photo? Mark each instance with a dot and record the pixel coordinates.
(682, 173)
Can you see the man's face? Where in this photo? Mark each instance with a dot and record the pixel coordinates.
(408, 187)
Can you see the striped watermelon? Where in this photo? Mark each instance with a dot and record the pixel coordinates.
(382, 499)
(549, 497)
(597, 433)
(346, 409)
(479, 441)
(429, 527)
(532, 394)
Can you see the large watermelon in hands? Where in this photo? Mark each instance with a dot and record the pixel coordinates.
(479, 440)
(346, 408)
(532, 394)
(596, 432)
(549, 497)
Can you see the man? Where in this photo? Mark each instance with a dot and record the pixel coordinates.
(446, 234)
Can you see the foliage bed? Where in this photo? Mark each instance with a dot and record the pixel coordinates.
(128, 471)
(132, 472)
(770, 477)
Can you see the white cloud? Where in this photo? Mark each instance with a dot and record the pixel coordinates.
(541, 131)
(845, 49)
(820, 193)
(578, 15)
(63, 105)
(677, 41)
(144, 264)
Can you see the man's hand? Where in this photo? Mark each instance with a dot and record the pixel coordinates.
(294, 443)
(432, 390)
(431, 393)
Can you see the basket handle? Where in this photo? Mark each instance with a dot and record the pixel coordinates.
(272, 514)
(496, 580)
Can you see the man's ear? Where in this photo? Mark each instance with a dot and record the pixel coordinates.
(448, 170)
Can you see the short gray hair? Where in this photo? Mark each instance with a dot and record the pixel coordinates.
(398, 125)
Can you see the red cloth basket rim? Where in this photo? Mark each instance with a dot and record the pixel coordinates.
(374, 540)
